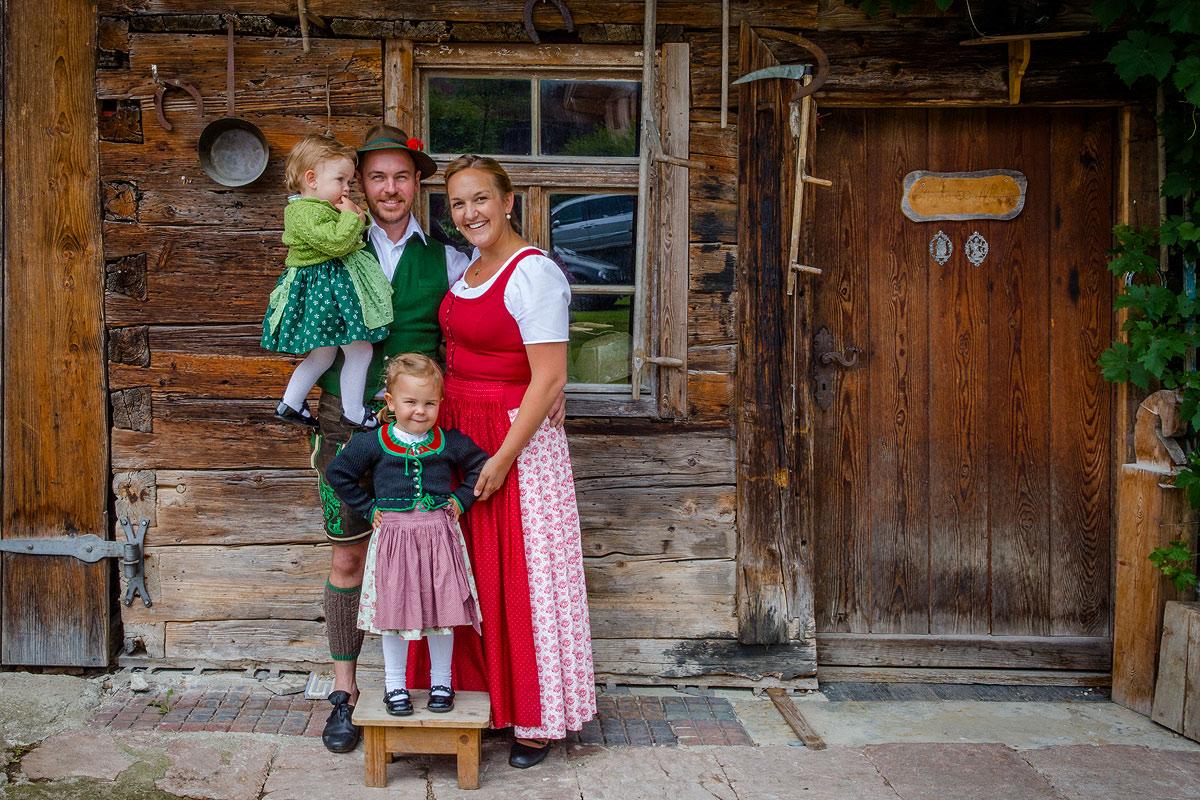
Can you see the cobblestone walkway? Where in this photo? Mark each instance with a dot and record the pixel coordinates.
(623, 720)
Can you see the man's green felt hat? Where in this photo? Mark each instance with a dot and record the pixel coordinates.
(391, 138)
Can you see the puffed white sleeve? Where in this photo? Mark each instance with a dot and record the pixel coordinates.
(538, 296)
(456, 264)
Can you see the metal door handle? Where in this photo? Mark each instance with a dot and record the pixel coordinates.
(847, 359)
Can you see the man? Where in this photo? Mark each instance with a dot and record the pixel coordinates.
(421, 270)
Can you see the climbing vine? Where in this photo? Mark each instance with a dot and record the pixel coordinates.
(1161, 51)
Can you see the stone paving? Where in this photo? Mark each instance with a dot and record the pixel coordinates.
(886, 750)
(623, 720)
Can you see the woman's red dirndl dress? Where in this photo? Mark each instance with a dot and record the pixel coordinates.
(487, 373)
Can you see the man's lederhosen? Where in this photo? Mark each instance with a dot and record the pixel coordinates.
(418, 286)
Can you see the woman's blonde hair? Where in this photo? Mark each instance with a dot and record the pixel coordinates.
(310, 151)
(489, 165)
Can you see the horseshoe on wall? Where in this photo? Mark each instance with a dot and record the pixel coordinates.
(561, 5)
(162, 85)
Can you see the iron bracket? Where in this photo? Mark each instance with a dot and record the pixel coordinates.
(91, 548)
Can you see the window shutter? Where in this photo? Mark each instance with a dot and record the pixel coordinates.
(671, 260)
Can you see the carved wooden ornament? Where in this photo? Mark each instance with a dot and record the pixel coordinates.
(986, 194)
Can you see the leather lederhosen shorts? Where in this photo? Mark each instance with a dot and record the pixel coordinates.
(342, 523)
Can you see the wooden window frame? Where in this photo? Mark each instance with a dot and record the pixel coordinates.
(659, 323)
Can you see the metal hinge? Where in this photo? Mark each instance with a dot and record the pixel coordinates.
(91, 548)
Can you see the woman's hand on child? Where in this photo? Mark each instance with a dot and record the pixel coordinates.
(492, 476)
(453, 508)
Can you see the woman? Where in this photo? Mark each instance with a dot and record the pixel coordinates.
(506, 327)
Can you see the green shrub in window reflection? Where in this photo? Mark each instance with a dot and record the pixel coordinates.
(479, 116)
(601, 142)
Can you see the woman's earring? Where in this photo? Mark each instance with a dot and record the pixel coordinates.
(508, 216)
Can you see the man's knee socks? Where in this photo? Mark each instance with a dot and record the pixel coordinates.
(341, 622)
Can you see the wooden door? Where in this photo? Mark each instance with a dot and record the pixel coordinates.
(962, 466)
(55, 610)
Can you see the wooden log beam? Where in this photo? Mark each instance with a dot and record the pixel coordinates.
(801, 14)
(767, 562)
(943, 652)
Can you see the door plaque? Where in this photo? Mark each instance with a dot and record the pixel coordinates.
(986, 194)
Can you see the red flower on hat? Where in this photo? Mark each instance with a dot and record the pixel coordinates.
(414, 143)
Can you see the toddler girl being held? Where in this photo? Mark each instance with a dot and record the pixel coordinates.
(417, 581)
(333, 293)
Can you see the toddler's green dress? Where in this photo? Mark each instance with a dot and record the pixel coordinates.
(333, 291)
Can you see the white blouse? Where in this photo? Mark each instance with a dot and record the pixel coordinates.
(538, 296)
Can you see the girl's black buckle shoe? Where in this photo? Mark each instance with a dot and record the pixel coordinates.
(398, 703)
(522, 756)
(370, 422)
(441, 702)
(286, 413)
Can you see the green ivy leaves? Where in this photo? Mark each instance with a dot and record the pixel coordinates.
(1178, 563)
(1143, 55)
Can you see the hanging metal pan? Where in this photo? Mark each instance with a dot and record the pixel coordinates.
(233, 152)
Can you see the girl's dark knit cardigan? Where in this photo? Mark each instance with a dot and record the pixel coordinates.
(406, 476)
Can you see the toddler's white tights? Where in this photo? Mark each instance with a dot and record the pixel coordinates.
(353, 378)
(395, 659)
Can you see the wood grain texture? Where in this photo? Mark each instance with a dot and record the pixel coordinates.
(842, 522)
(971, 494)
(280, 93)
(765, 418)
(56, 469)
(1177, 690)
(976, 652)
(1019, 385)
(958, 400)
(670, 12)
(671, 264)
(282, 582)
(1151, 514)
(898, 421)
(1080, 553)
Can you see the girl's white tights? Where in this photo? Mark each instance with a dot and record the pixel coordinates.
(353, 380)
(395, 660)
(353, 377)
(306, 375)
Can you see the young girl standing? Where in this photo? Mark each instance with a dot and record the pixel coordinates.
(333, 293)
(418, 580)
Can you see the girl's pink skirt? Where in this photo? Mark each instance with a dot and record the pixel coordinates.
(418, 578)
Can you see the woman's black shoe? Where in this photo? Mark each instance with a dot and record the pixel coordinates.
(286, 413)
(522, 756)
(397, 703)
(340, 735)
(441, 702)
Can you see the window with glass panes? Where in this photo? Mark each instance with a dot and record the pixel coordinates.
(569, 140)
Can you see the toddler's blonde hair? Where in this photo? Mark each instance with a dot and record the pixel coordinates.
(414, 365)
(310, 151)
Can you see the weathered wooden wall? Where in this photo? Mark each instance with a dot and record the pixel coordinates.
(235, 557)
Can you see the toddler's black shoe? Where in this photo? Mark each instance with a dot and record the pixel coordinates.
(369, 423)
(441, 699)
(398, 703)
(286, 413)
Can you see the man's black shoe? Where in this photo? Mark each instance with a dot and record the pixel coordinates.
(340, 735)
(522, 756)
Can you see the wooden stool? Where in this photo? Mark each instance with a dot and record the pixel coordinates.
(455, 732)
